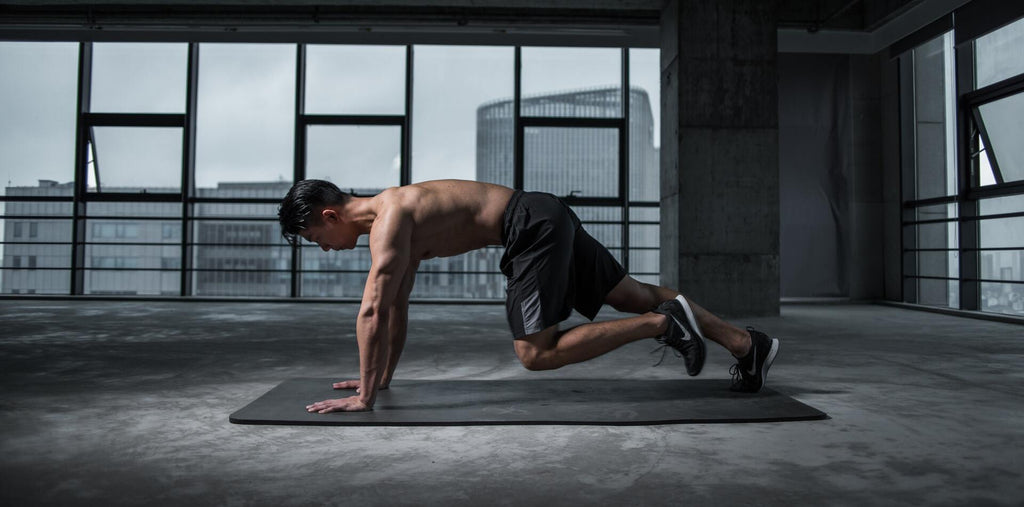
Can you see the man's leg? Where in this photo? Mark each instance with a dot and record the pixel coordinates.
(633, 296)
(755, 351)
(551, 348)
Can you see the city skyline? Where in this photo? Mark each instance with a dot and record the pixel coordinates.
(141, 252)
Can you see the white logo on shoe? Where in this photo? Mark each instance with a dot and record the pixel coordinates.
(686, 334)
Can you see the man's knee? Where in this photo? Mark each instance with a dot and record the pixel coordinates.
(534, 350)
(531, 357)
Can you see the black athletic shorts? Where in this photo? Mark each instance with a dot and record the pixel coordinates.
(552, 264)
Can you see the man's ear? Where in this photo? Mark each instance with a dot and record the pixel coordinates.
(329, 215)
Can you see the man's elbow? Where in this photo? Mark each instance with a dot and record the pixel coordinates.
(374, 312)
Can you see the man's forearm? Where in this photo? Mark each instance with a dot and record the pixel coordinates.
(397, 326)
(372, 337)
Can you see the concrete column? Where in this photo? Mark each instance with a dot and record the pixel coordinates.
(719, 155)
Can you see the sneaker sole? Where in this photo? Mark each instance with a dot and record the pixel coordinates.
(696, 329)
(774, 351)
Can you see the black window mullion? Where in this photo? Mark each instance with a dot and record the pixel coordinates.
(188, 171)
(517, 123)
(299, 168)
(405, 175)
(134, 119)
(396, 120)
(81, 169)
(624, 162)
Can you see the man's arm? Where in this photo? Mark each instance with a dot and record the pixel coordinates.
(399, 323)
(390, 241)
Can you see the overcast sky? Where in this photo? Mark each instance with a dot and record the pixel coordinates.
(246, 105)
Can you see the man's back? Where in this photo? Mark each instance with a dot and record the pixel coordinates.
(449, 217)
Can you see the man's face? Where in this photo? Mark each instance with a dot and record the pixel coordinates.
(331, 233)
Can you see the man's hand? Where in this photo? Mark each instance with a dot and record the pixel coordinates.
(350, 404)
(354, 384)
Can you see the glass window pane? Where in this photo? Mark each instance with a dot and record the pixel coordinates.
(1000, 205)
(355, 79)
(1002, 232)
(934, 212)
(495, 148)
(129, 255)
(365, 159)
(572, 161)
(36, 246)
(131, 282)
(168, 210)
(987, 176)
(241, 258)
(931, 236)
(998, 56)
(455, 88)
(643, 235)
(334, 285)
(139, 78)
(1002, 298)
(644, 124)
(934, 124)
(937, 264)
(644, 242)
(335, 274)
(472, 275)
(133, 269)
(476, 286)
(244, 255)
(38, 99)
(1005, 265)
(246, 120)
(1004, 123)
(937, 292)
(572, 82)
(251, 211)
(135, 159)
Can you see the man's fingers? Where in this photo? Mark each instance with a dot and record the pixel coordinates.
(327, 406)
(348, 384)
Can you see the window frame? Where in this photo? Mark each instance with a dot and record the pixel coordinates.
(83, 199)
(969, 134)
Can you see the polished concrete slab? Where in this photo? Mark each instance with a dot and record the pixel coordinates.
(114, 403)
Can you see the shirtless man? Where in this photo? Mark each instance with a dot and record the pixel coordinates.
(552, 266)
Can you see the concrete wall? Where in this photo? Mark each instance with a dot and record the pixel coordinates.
(719, 174)
(892, 266)
(839, 176)
(867, 211)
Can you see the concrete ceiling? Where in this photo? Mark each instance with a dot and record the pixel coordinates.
(573, 22)
(812, 14)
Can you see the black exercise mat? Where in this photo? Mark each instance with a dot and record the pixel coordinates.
(541, 401)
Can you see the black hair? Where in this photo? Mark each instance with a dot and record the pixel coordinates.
(301, 207)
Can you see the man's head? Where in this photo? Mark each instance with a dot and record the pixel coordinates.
(304, 207)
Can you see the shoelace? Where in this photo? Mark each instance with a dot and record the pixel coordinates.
(668, 341)
(737, 374)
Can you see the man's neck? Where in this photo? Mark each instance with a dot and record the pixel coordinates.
(359, 211)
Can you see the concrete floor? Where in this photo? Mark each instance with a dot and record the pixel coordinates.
(113, 403)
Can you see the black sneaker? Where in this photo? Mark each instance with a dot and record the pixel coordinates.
(750, 372)
(683, 334)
